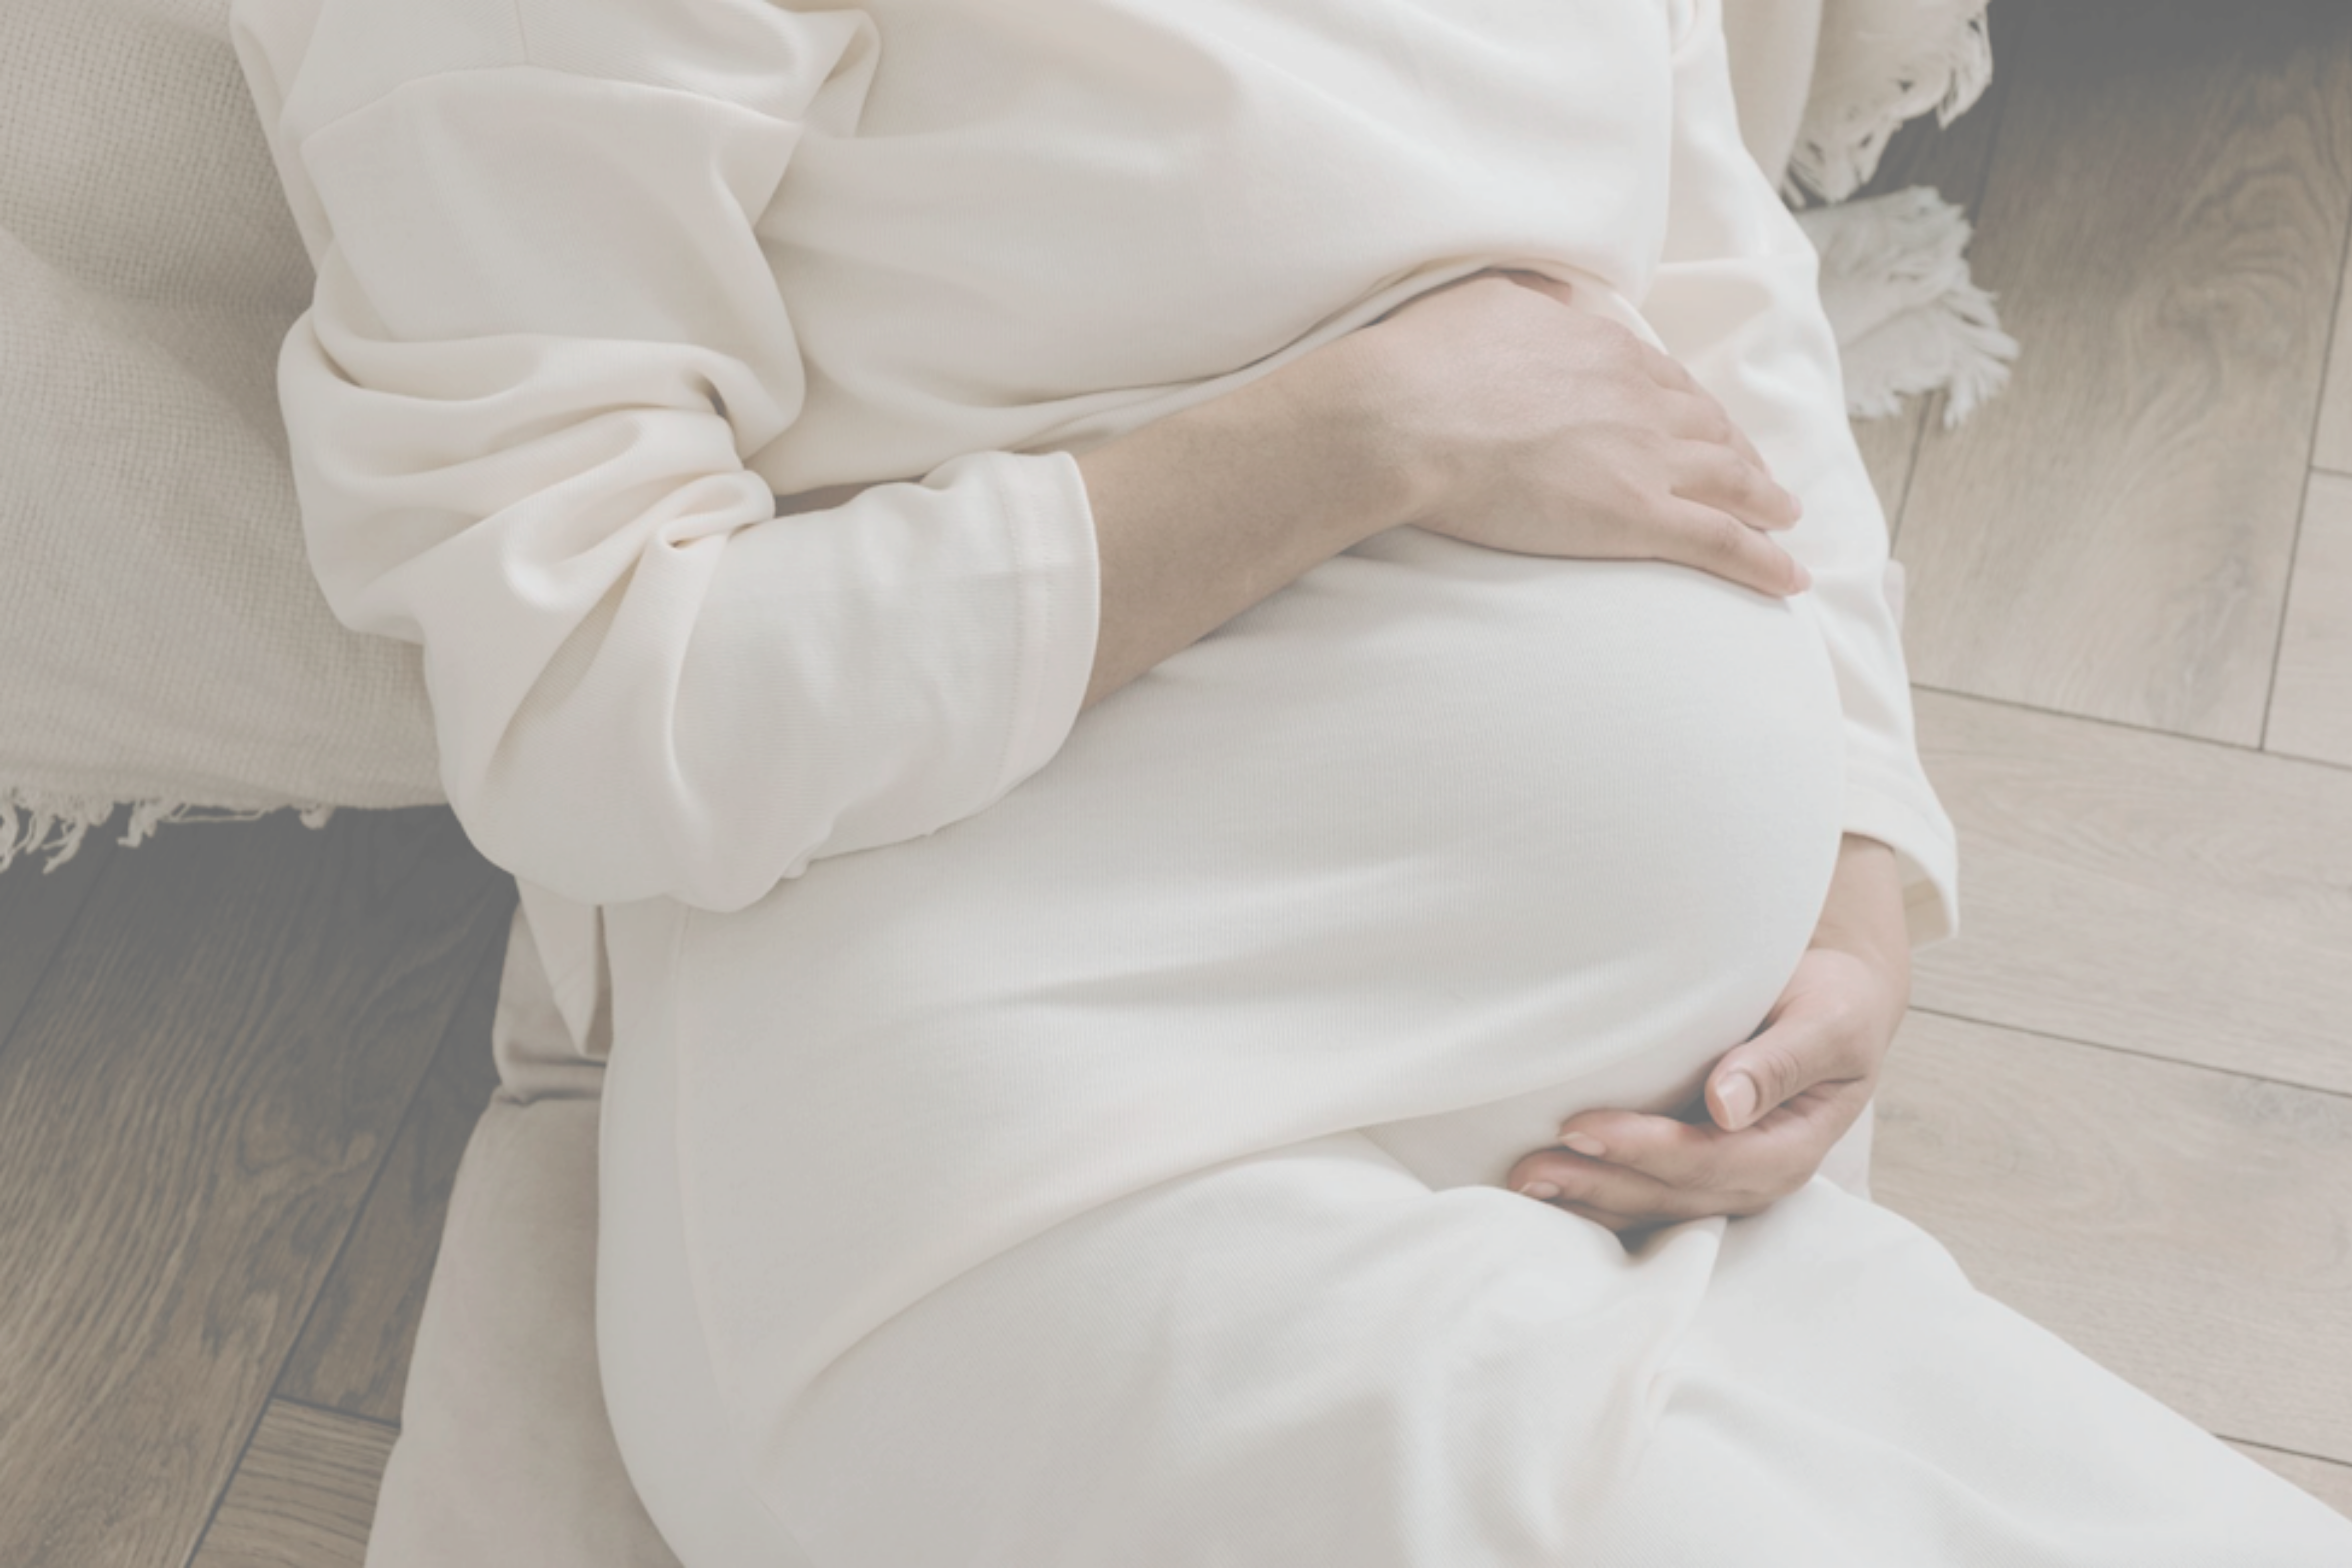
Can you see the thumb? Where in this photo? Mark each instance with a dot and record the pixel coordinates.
(1763, 1073)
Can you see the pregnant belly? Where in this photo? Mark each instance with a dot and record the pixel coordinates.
(1433, 828)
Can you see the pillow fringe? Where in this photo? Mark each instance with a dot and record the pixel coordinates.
(33, 821)
(1908, 317)
(1839, 144)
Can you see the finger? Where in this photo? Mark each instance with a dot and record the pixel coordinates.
(1598, 1189)
(1660, 1167)
(1692, 1157)
(1665, 1147)
(1694, 534)
(1746, 448)
(1672, 373)
(1695, 417)
(1669, 372)
(1803, 1047)
(1715, 474)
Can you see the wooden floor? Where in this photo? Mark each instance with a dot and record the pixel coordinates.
(237, 1063)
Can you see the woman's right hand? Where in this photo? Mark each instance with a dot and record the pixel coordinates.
(1529, 424)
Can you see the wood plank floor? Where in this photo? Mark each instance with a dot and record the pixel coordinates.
(237, 1064)
(2164, 222)
(195, 1100)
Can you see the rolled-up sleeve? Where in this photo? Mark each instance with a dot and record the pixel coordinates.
(544, 342)
(1737, 300)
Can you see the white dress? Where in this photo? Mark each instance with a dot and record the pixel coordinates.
(1045, 1140)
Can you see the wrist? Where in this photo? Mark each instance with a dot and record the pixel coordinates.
(1863, 912)
(1362, 393)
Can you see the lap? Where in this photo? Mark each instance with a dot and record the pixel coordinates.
(1311, 1355)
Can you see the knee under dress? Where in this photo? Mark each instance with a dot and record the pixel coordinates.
(1053, 1140)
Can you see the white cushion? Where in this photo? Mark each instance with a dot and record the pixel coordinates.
(1879, 64)
(161, 640)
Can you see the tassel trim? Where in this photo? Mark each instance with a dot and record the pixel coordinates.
(1839, 144)
(1908, 317)
(33, 821)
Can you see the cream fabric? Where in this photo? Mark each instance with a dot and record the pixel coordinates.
(955, 989)
(505, 1457)
(1772, 45)
(161, 639)
(1850, 563)
(1321, 1351)
(572, 454)
(150, 271)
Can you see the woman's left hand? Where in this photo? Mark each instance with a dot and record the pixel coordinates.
(1773, 1105)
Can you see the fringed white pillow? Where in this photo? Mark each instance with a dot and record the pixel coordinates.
(161, 640)
(1823, 85)
(1881, 63)
(1908, 317)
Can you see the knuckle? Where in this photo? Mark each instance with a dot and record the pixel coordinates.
(1775, 1083)
(1720, 471)
(1621, 350)
(1725, 536)
(1744, 478)
(1776, 1072)
(1651, 445)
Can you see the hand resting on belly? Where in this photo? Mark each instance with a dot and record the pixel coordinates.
(1807, 1073)
(1492, 409)
(1496, 411)
(1518, 425)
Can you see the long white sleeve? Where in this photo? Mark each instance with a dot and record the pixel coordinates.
(545, 338)
(1737, 300)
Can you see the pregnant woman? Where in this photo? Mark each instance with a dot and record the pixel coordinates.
(1277, 681)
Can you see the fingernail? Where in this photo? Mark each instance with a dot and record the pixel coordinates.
(1739, 1097)
(1804, 578)
(1584, 1143)
(1543, 1189)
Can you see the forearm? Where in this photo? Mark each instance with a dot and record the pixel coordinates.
(1203, 514)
